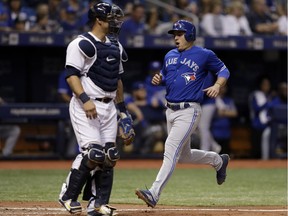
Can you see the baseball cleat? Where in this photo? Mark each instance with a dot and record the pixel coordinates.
(74, 207)
(147, 197)
(221, 173)
(103, 210)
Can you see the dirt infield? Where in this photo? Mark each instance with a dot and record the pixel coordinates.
(52, 208)
(139, 164)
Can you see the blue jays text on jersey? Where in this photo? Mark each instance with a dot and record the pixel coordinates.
(185, 73)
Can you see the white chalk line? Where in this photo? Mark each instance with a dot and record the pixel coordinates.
(60, 210)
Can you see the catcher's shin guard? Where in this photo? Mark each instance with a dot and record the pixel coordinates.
(77, 179)
(68, 200)
(102, 181)
(76, 182)
(106, 184)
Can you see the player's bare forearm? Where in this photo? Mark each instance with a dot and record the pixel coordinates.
(221, 81)
(75, 85)
(88, 106)
(213, 91)
(120, 93)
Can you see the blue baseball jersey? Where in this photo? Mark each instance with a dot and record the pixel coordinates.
(185, 73)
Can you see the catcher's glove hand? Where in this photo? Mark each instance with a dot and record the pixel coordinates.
(125, 129)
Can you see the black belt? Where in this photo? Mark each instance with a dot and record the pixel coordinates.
(104, 100)
(178, 106)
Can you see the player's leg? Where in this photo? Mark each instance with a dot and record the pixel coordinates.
(195, 156)
(102, 182)
(93, 157)
(104, 177)
(265, 143)
(11, 133)
(183, 123)
(206, 139)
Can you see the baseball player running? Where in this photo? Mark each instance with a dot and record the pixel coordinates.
(184, 71)
(93, 71)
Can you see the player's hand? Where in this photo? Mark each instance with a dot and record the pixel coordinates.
(156, 80)
(212, 91)
(90, 109)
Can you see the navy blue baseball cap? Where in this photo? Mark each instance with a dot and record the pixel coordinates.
(138, 85)
(155, 65)
(70, 10)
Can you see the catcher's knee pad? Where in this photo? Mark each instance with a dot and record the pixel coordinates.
(112, 154)
(96, 153)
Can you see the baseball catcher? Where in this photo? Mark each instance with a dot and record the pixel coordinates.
(94, 72)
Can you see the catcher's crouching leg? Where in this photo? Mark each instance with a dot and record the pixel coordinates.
(103, 180)
(78, 177)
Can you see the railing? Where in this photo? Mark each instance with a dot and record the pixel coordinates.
(149, 41)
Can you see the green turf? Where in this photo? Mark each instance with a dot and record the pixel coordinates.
(195, 187)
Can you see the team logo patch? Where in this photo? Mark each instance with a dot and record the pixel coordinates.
(178, 25)
(189, 77)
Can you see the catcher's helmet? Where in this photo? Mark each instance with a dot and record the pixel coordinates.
(185, 26)
(107, 12)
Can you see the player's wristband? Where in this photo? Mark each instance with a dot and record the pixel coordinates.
(121, 106)
(84, 97)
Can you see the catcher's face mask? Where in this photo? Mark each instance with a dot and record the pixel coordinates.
(115, 19)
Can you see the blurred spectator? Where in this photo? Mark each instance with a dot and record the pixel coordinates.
(281, 97)
(190, 6)
(123, 3)
(207, 141)
(4, 16)
(43, 21)
(152, 20)
(71, 21)
(221, 122)
(280, 135)
(10, 134)
(167, 11)
(213, 22)
(135, 23)
(19, 24)
(72, 13)
(65, 94)
(283, 19)
(155, 94)
(204, 7)
(236, 22)
(54, 10)
(146, 123)
(135, 103)
(260, 101)
(260, 19)
(164, 27)
(17, 11)
(77, 6)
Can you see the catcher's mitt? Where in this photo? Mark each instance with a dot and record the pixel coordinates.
(125, 130)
